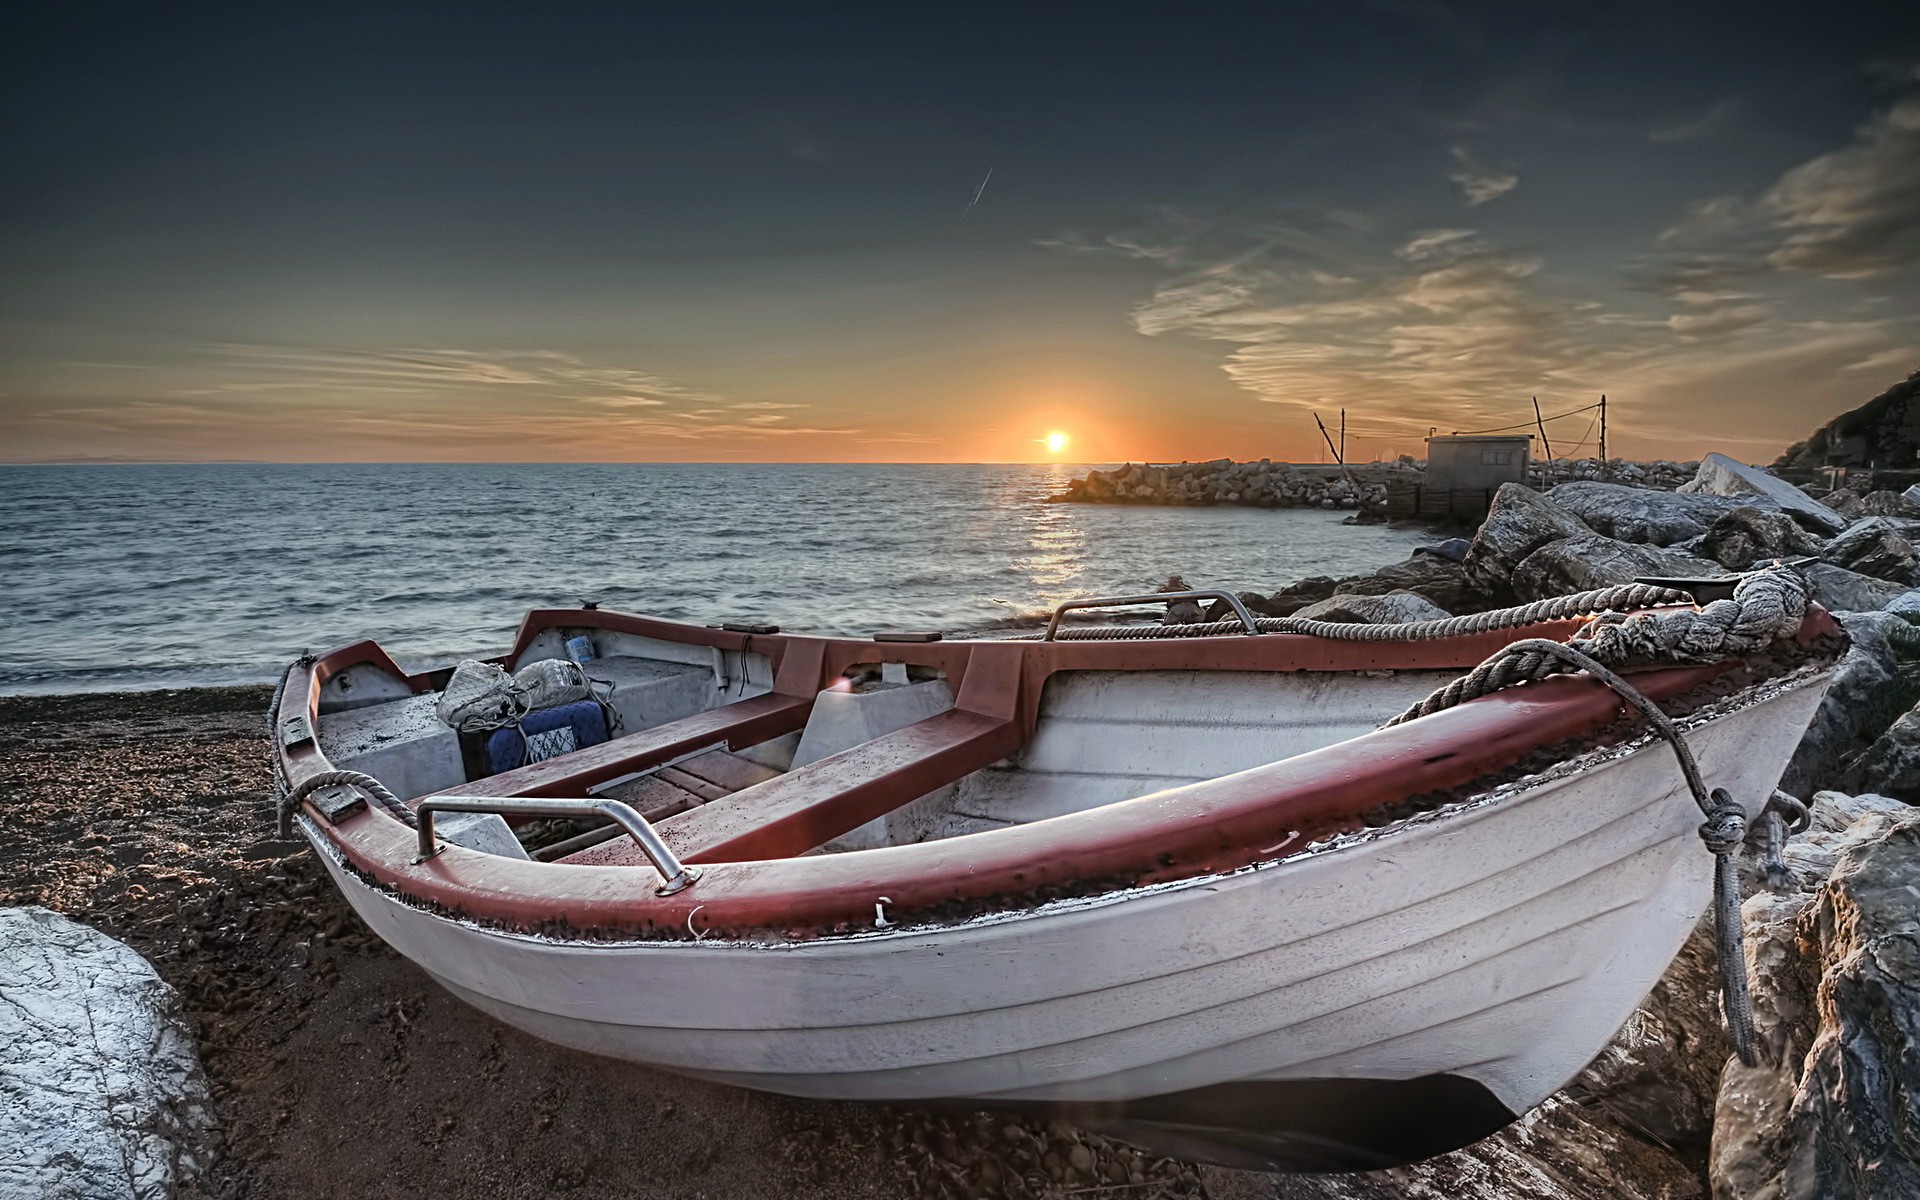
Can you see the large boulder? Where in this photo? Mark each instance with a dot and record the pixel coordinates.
(1392, 608)
(1846, 502)
(1297, 595)
(1641, 515)
(1887, 503)
(1439, 579)
(1837, 589)
(1841, 725)
(101, 1092)
(1874, 547)
(1892, 764)
(1721, 476)
(1751, 1135)
(1519, 522)
(1588, 561)
(1836, 1119)
(1748, 534)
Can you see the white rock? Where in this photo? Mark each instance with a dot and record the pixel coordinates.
(1722, 476)
(101, 1092)
(1393, 608)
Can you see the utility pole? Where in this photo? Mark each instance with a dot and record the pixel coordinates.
(1542, 427)
(1329, 439)
(1603, 435)
(1343, 437)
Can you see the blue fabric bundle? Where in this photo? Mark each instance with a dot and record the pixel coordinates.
(548, 733)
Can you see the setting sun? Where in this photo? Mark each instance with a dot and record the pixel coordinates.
(1056, 442)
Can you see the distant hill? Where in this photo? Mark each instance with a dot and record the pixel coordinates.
(1883, 432)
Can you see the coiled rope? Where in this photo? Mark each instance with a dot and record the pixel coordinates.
(1554, 608)
(1766, 605)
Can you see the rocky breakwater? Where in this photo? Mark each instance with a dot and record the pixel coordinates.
(1659, 473)
(1357, 487)
(1263, 484)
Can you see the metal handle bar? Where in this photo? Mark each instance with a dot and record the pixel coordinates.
(1239, 609)
(677, 875)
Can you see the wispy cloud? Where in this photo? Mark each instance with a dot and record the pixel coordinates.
(412, 402)
(438, 372)
(1443, 326)
(1479, 183)
(1431, 243)
(1902, 359)
(1852, 213)
(1855, 212)
(1715, 120)
(1317, 311)
(1718, 323)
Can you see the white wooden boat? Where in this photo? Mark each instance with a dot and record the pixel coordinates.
(1180, 889)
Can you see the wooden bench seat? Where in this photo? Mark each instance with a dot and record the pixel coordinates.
(742, 723)
(811, 805)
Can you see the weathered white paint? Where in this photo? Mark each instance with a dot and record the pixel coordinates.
(402, 743)
(360, 685)
(1103, 736)
(1505, 940)
(649, 692)
(843, 720)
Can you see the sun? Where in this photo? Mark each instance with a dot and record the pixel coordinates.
(1056, 442)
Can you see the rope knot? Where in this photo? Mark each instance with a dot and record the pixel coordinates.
(1726, 825)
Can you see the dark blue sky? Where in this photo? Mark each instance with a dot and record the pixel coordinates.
(737, 231)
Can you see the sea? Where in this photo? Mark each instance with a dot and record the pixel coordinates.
(133, 577)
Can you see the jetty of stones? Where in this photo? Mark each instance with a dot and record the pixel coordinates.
(1355, 486)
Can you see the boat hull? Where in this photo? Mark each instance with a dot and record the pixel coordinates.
(1394, 996)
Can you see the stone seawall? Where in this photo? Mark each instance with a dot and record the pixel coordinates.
(1361, 486)
(1263, 484)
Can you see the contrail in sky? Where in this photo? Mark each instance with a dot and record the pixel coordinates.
(978, 192)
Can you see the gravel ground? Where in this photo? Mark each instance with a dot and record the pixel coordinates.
(341, 1070)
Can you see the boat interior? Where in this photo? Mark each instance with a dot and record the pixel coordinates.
(746, 746)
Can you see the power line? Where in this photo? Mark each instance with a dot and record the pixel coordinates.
(1527, 424)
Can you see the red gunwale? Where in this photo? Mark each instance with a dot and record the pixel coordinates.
(1218, 824)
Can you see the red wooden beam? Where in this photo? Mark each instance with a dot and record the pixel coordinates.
(809, 806)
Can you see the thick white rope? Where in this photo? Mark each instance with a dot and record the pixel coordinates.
(1554, 608)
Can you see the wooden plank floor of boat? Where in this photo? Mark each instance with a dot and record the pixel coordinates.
(690, 783)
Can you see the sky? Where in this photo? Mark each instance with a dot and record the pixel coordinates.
(938, 233)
